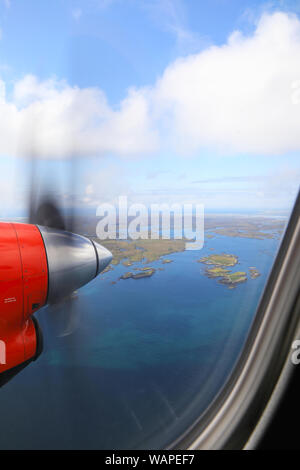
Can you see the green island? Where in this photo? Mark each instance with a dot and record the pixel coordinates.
(231, 279)
(129, 252)
(254, 273)
(133, 251)
(140, 275)
(146, 268)
(220, 263)
(219, 260)
(216, 272)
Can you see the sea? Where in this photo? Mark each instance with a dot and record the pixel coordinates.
(144, 357)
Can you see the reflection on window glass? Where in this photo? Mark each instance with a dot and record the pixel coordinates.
(181, 159)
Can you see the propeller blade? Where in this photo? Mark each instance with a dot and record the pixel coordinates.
(65, 316)
(47, 214)
(70, 257)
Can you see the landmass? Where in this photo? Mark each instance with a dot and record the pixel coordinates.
(231, 279)
(133, 251)
(244, 234)
(232, 225)
(146, 268)
(127, 276)
(129, 252)
(220, 263)
(219, 260)
(254, 273)
(216, 272)
(140, 275)
(258, 227)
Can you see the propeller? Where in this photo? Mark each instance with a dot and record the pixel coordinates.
(69, 252)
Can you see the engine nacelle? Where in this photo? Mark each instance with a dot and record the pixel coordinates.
(38, 265)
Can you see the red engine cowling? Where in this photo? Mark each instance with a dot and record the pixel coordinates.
(38, 265)
(23, 290)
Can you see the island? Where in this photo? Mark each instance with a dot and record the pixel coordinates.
(146, 268)
(139, 275)
(143, 273)
(232, 279)
(216, 272)
(254, 273)
(219, 270)
(220, 260)
(128, 252)
(127, 276)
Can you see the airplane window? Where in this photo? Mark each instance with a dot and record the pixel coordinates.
(168, 135)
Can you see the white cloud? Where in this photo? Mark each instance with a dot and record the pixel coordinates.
(236, 98)
(56, 120)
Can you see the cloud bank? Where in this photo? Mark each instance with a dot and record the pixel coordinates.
(241, 97)
(56, 120)
(238, 97)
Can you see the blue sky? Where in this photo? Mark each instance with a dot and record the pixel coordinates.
(116, 44)
(125, 47)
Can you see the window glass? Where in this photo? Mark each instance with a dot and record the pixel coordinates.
(169, 133)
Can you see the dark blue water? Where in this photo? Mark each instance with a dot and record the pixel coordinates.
(148, 357)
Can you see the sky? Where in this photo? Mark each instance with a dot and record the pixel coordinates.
(161, 100)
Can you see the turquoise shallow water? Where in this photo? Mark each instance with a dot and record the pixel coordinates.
(148, 357)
